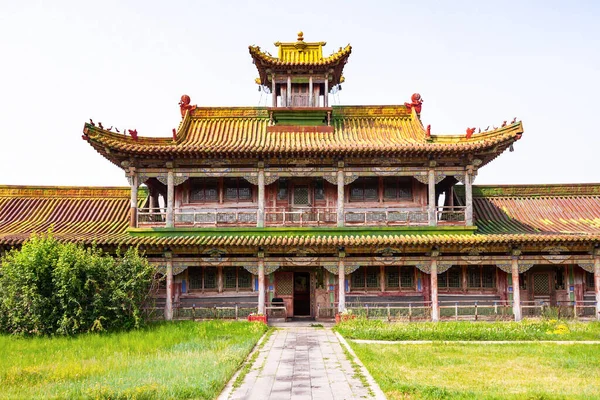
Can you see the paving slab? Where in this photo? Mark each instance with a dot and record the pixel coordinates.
(303, 362)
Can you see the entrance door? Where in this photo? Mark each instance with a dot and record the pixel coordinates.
(301, 294)
(541, 286)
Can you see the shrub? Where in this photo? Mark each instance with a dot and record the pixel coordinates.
(48, 287)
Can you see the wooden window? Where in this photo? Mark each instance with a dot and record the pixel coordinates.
(204, 190)
(282, 189)
(400, 277)
(319, 190)
(202, 278)
(236, 278)
(589, 280)
(397, 189)
(451, 279)
(364, 189)
(237, 189)
(481, 276)
(365, 278)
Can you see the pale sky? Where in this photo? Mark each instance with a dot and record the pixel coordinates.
(475, 63)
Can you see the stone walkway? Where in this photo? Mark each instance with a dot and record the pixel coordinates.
(302, 363)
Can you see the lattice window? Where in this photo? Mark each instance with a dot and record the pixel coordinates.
(364, 189)
(358, 278)
(204, 190)
(365, 278)
(397, 188)
(319, 189)
(400, 277)
(474, 277)
(195, 278)
(372, 277)
(407, 277)
(285, 284)
(301, 195)
(210, 278)
(392, 277)
(589, 280)
(541, 284)
(244, 279)
(237, 189)
(481, 277)
(229, 278)
(451, 279)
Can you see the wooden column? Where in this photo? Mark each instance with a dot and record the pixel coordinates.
(260, 219)
(169, 299)
(170, 197)
(431, 207)
(469, 196)
(152, 203)
(289, 91)
(597, 281)
(274, 90)
(516, 285)
(261, 284)
(341, 283)
(134, 199)
(326, 93)
(340, 194)
(310, 92)
(382, 277)
(435, 306)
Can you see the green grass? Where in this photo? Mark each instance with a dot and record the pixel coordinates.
(168, 360)
(526, 330)
(510, 371)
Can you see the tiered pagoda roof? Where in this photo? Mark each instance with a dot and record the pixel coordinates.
(505, 215)
(300, 55)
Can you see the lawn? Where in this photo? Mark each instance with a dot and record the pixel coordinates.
(168, 360)
(476, 371)
(526, 330)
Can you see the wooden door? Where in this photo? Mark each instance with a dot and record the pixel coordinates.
(302, 294)
(541, 286)
(284, 289)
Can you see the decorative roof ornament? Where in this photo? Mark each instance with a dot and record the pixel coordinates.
(416, 103)
(184, 105)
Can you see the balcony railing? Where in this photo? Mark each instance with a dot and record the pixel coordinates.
(300, 216)
(313, 216)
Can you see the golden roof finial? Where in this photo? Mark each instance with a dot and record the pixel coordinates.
(301, 36)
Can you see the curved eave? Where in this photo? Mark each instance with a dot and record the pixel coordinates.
(487, 145)
(325, 241)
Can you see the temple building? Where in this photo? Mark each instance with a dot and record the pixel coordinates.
(324, 208)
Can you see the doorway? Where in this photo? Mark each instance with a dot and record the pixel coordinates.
(302, 294)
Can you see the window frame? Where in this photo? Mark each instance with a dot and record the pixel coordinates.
(202, 279)
(399, 182)
(400, 270)
(245, 184)
(362, 182)
(202, 184)
(481, 279)
(237, 287)
(364, 270)
(446, 276)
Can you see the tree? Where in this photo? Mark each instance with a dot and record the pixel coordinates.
(48, 287)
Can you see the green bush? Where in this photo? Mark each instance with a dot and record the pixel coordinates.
(48, 287)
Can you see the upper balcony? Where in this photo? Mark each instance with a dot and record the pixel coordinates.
(299, 217)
